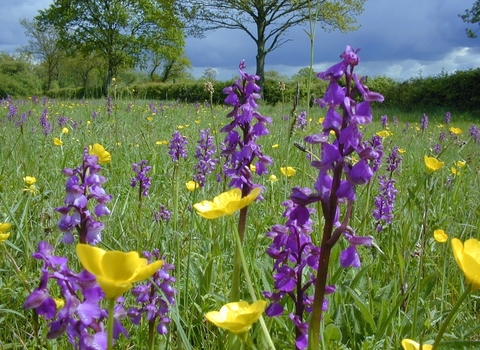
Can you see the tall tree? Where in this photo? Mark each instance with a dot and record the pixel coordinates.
(472, 16)
(266, 21)
(122, 31)
(43, 45)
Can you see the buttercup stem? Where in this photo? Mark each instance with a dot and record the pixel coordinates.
(111, 306)
(450, 316)
(250, 285)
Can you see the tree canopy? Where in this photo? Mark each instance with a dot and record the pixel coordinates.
(266, 22)
(472, 16)
(124, 32)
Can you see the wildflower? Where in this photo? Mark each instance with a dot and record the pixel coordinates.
(433, 164)
(474, 133)
(455, 171)
(192, 185)
(409, 344)
(47, 127)
(237, 317)
(115, 271)
(240, 147)
(29, 180)
(141, 169)
(65, 130)
(178, 147)
(402, 151)
(275, 145)
(384, 133)
(455, 131)
(84, 184)
(226, 203)
(440, 236)
(424, 122)
(154, 304)
(253, 168)
(442, 137)
(460, 164)
(206, 162)
(467, 256)
(288, 171)
(162, 214)
(385, 201)
(57, 141)
(273, 178)
(448, 116)
(384, 121)
(3, 234)
(98, 150)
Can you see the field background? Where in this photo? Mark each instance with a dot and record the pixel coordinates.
(374, 307)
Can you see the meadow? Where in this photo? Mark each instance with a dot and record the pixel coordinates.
(406, 285)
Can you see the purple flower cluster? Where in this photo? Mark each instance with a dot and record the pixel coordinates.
(384, 121)
(84, 184)
(177, 147)
(81, 317)
(424, 122)
(296, 260)
(63, 121)
(301, 121)
(385, 201)
(448, 116)
(163, 214)
(47, 127)
(474, 133)
(141, 169)
(155, 296)
(205, 153)
(109, 105)
(240, 147)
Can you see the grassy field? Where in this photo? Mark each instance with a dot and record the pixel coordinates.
(406, 285)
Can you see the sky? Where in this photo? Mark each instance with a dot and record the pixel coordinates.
(398, 39)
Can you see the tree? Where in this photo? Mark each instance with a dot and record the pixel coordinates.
(209, 74)
(472, 16)
(271, 19)
(43, 45)
(122, 32)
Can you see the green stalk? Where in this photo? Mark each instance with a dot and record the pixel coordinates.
(111, 306)
(151, 334)
(450, 316)
(249, 283)
(175, 196)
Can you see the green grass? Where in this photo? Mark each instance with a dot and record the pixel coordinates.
(391, 297)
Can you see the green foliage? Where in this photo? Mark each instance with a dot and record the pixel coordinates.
(17, 77)
(123, 32)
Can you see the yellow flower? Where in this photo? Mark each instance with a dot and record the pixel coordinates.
(192, 185)
(460, 164)
(164, 142)
(29, 180)
(115, 271)
(226, 203)
(149, 119)
(237, 317)
(384, 133)
(288, 171)
(320, 120)
(275, 145)
(454, 171)
(3, 234)
(401, 151)
(65, 130)
(97, 149)
(440, 236)
(409, 344)
(59, 303)
(32, 189)
(57, 141)
(455, 131)
(89, 122)
(467, 256)
(273, 178)
(433, 164)
(253, 168)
